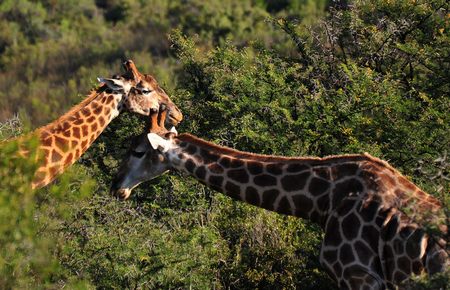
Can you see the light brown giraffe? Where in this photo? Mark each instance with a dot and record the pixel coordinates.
(63, 141)
(371, 214)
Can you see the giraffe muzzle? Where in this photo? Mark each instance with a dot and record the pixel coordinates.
(121, 193)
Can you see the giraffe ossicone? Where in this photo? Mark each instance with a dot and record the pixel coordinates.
(359, 201)
(63, 141)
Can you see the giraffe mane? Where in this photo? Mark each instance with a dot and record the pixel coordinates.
(271, 158)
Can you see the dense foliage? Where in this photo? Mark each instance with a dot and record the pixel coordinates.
(276, 77)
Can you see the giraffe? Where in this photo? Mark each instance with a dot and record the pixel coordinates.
(372, 215)
(63, 141)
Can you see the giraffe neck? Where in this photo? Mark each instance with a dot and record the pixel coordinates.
(63, 141)
(304, 187)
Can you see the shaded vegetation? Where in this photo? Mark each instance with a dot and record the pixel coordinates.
(275, 77)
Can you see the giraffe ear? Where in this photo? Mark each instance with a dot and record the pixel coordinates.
(158, 143)
(113, 84)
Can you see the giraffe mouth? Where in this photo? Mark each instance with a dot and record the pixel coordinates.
(122, 193)
(174, 120)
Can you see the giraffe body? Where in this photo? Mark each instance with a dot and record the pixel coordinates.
(360, 202)
(63, 141)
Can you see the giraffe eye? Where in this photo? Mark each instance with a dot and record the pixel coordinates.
(146, 91)
(137, 154)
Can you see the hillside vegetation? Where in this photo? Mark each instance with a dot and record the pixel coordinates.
(292, 78)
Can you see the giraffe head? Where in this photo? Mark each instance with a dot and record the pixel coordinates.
(141, 92)
(147, 156)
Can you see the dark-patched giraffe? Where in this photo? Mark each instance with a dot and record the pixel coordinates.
(373, 217)
(63, 141)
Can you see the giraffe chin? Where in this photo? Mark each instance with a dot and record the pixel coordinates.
(122, 193)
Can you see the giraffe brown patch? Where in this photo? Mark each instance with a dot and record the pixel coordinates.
(109, 99)
(65, 126)
(376, 265)
(191, 149)
(317, 218)
(208, 156)
(254, 167)
(68, 159)
(417, 267)
(399, 277)
(317, 186)
(190, 165)
(274, 168)
(92, 138)
(390, 229)
(198, 159)
(98, 110)
(101, 121)
(303, 205)
(344, 170)
(84, 130)
(346, 254)
(215, 168)
(252, 196)
(235, 163)
(77, 153)
(90, 119)
(200, 172)
(370, 235)
(47, 142)
(284, 207)
(404, 264)
(294, 182)
(344, 188)
(56, 156)
(73, 143)
(61, 143)
(364, 253)
(86, 112)
(265, 180)
(268, 198)
(54, 170)
(330, 256)
(332, 235)
(76, 132)
(350, 226)
(239, 175)
(216, 180)
(323, 172)
(398, 246)
(66, 133)
(323, 203)
(296, 167)
(337, 269)
(413, 244)
(45, 134)
(78, 121)
(225, 162)
(232, 190)
(345, 206)
(94, 127)
(369, 211)
(84, 144)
